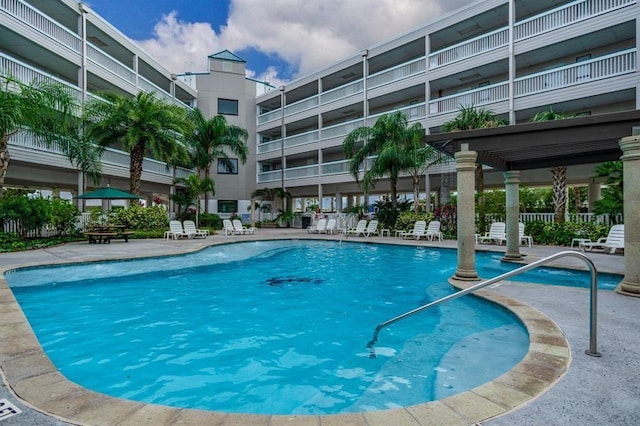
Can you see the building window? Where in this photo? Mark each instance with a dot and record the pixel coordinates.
(227, 206)
(227, 106)
(227, 166)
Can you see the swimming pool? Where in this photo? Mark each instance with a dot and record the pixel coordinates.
(360, 383)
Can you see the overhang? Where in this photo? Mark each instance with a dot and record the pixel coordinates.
(572, 141)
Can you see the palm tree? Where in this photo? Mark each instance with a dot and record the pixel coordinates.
(470, 118)
(395, 145)
(559, 173)
(50, 115)
(142, 125)
(271, 194)
(612, 201)
(195, 186)
(210, 139)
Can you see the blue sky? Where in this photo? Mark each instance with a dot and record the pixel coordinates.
(280, 39)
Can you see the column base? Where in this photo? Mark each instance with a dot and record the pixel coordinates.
(466, 275)
(628, 289)
(512, 257)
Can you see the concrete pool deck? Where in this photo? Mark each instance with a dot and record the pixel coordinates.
(555, 384)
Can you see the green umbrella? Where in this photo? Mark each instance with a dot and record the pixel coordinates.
(108, 193)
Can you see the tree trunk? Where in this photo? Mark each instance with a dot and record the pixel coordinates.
(576, 199)
(135, 167)
(5, 157)
(559, 192)
(416, 194)
(394, 193)
(207, 173)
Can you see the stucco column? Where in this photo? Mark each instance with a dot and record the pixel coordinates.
(630, 284)
(466, 167)
(594, 194)
(512, 185)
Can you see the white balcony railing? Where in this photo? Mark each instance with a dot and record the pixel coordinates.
(111, 64)
(582, 72)
(342, 92)
(274, 145)
(413, 112)
(42, 23)
(566, 15)
(302, 139)
(396, 73)
(342, 129)
(477, 97)
(266, 117)
(469, 48)
(302, 105)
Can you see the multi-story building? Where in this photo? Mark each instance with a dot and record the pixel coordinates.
(513, 57)
(64, 41)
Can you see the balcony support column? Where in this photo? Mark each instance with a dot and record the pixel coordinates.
(630, 285)
(466, 169)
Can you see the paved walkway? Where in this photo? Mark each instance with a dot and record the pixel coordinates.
(593, 391)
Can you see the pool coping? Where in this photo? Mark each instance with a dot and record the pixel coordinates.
(31, 376)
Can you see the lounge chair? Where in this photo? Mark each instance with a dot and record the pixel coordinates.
(526, 239)
(239, 228)
(433, 230)
(331, 226)
(612, 242)
(176, 231)
(320, 226)
(418, 231)
(496, 234)
(190, 228)
(360, 228)
(227, 227)
(372, 228)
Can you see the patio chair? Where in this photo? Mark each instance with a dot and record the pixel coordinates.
(418, 231)
(497, 234)
(320, 226)
(331, 226)
(360, 229)
(227, 227)
(176, 231)
(526, 239)
(612, 242)
(189, 227)
(433, 230)
(239, 228)
(372, 228)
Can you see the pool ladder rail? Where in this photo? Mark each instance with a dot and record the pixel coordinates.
(591, 351)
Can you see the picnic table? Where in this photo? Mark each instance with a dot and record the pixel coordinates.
(103, 234)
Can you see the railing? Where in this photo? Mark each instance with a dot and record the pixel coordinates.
(335, 167)
(270, 146)
(340, 129)
(149, 87)
(566, 15)
(569, 217)
(302, 105)
(582, 72)
(469, 48)
(111, 64)
(342, 92)
(476, 97)
(302, 138)
(270, 116)
(413, 112)
(417, 66)
(593, 322)
(42, 23)
(301, 172)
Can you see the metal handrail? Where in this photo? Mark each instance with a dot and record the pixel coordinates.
(592, 350)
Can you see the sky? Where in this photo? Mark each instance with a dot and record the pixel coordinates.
(281, 40)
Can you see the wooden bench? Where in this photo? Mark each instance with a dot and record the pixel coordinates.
(105, 237)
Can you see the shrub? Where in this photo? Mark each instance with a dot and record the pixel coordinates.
(406, 220)
(561, 234)
(64, 216)
(210, 220)
(141, 218)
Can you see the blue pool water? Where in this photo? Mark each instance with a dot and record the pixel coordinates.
(273, 327)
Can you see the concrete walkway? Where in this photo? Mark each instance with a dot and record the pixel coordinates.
(592, 391)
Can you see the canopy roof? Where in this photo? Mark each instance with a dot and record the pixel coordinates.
(572, 141)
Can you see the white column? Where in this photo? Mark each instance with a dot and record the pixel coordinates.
(512, 184)
(594, 194)
(630, 284)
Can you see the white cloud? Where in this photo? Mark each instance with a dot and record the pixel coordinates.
(308, 36)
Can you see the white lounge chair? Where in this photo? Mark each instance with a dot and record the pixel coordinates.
(612, 242)
(372, 228)
(433, 230)
(189, 227)
(176, 231)
(418, 231)
(496, 234)
(239, 228)
(360, 228)
(331, 226)
(526, 239)
(320, 226)
(227, 227)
